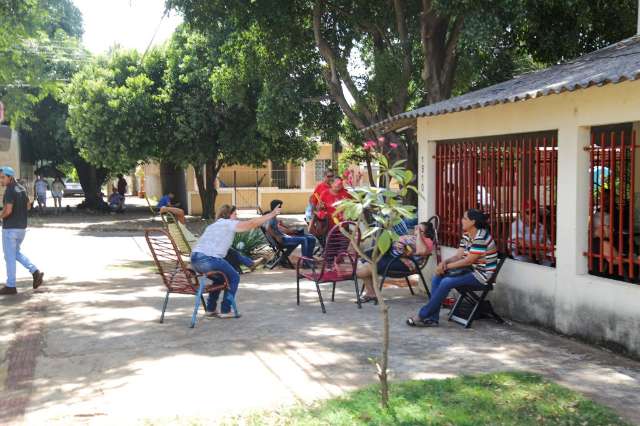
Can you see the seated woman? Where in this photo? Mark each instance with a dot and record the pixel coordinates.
(419, 244)
(288, 237)
(212, 248)
(472, 266)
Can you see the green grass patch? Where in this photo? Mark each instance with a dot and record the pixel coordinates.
(489, 399)
(135, 264)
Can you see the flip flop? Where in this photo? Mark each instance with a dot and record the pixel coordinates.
(228, 315)
(367, 299)
(412, 322)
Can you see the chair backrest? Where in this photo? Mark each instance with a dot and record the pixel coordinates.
(270, 240)
(435, 222)
(501, 259)
(177, 233)
(175, 274)
(337, 244)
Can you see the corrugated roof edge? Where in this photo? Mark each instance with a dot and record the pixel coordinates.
(441, 108)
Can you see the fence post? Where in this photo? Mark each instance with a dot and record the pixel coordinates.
(257, 192)
(235, 188)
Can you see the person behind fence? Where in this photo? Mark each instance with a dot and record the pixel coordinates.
(471, 267)
(212, 247)
(288, 237)
(14, 227)
(167, 205)
(40, 187)
(420, 244)
(528, 237)
(57, 191)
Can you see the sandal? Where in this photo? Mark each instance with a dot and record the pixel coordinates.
(367, 299)
(212, 314)
(228, 315)
(419, 322)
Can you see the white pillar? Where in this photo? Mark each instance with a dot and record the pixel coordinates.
(573, 201)
(426, 173)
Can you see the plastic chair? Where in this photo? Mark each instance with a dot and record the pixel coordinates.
(177, 277)
(339, 262)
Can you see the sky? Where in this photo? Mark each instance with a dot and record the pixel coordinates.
(130, 23)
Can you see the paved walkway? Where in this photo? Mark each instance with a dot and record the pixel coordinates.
(88, 347)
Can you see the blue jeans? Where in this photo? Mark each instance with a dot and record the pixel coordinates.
(440, 288)
(235, 258)
(308, 243)
(11, 241)
(203, 264)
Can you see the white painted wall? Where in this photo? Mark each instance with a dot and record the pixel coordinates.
(566, 298)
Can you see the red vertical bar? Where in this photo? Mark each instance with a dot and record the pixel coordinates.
(536, 198)
(591, 200)
(601, 198)
(530, 182)
(499, 195)
(554, 192)
(459, 184)
(620, 164)
(611, 200)
(632, 255)
(545, 181)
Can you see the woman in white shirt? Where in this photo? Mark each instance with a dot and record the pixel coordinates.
(212, 247)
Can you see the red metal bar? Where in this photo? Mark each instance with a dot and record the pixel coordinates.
(632, 255)
(536, 199)
(601, 200)
(620, 163)
(612, 192)
(544, 198)
(591, 200)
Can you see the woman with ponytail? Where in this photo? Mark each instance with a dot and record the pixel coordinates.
(472, 266)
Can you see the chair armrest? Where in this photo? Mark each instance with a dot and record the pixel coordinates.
(306, 259)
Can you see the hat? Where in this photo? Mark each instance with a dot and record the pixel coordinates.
(7, 171)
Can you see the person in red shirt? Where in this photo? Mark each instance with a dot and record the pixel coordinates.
(329, 198)
(323, 186)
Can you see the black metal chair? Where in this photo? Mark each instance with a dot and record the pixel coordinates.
(280, 253)
(419, 263)
(471, 303)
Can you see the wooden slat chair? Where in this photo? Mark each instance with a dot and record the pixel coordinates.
(419, 263)
(339, 262)
(177, 277)
(184, 239)
(471, 302)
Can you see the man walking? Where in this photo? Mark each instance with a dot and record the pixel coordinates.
(14, 227)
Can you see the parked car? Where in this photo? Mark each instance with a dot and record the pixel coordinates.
(73, 189)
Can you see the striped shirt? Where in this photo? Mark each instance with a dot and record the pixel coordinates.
(482, 244)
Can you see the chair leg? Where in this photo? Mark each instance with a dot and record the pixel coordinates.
(333, 292)
(194, 317)
(324, 311)
(234, 306)
(204, 303)
(384, 278)
(472, 316)
(355, 281)
(297, 289)
(409, 284)
(164, 307)
(424, 283)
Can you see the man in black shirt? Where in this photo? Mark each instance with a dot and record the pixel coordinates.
(14, 227)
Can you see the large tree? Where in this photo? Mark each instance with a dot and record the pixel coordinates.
(39, 43)
(380, 58)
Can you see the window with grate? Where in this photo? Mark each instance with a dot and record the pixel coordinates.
(321, 168)
(513, 179)
(613, 230)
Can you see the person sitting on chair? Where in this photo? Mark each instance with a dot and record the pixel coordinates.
(212, 248)
(116, 201)
(328, 200)
(288, 237)
(472, 266)
(166, 205)
(420, 244)
(528, 237)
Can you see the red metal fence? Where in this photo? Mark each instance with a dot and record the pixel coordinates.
(513, 178)
(613, 251)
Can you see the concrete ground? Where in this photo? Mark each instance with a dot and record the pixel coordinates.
(88, 349)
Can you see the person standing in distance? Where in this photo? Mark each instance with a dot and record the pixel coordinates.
(14, 227)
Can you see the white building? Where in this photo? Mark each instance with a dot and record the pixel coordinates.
(561, 145)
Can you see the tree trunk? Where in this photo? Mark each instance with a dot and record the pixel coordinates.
(383, 363)
(91, 180)
(173, 180)
(412, 164)
(206, 179)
